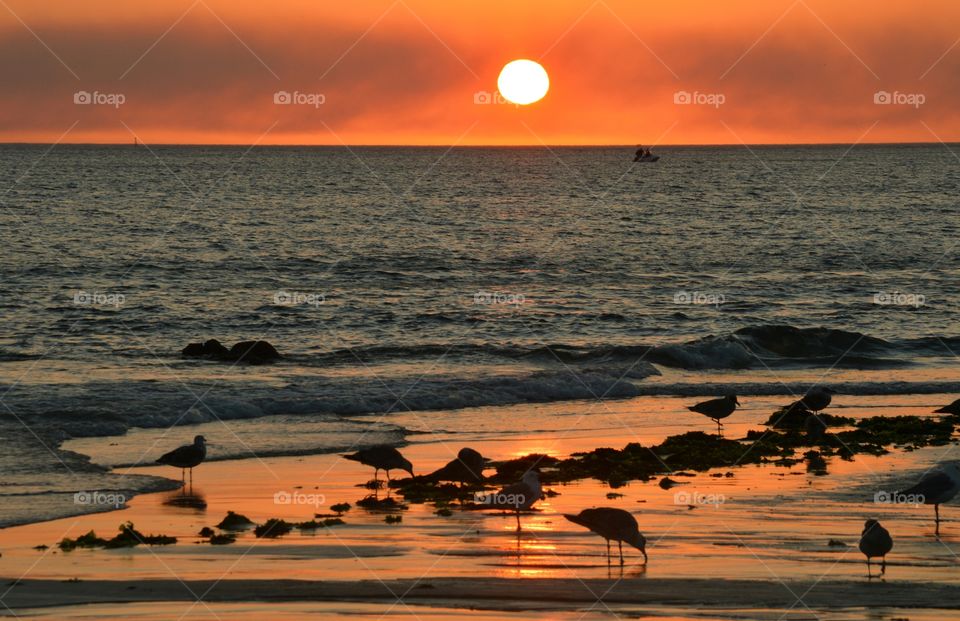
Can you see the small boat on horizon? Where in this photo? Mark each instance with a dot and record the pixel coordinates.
(644, 155)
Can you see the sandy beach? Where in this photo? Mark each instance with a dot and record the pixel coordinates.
(759, 537)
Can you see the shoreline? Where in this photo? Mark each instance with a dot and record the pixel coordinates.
(409, 430)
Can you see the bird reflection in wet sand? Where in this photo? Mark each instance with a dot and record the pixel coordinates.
(189, 500)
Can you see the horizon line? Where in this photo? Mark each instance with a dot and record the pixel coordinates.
(474, 146)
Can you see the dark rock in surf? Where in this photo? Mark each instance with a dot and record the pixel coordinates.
(254, 352)
(210, 349)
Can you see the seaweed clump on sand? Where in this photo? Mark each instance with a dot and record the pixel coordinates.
(276, 527)
(699, 451)
(272, 528)
(317, 524)
(421, 489)
(217, 539)
(222, 539)
(373, 503)
(795, 416)
(793, 430)
(873, 435)
(690, 451)
(235, 521)
(127, 538)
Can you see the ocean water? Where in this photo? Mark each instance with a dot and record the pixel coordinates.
(396, 279)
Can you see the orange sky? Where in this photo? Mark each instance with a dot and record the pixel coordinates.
(406, 71)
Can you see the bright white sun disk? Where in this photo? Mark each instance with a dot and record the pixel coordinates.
(523, 82)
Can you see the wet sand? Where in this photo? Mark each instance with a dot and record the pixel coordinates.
(764, 546)
(497, 593)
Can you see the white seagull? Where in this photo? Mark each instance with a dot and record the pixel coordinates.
(519, 496)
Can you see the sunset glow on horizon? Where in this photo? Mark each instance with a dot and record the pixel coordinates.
(424, 72)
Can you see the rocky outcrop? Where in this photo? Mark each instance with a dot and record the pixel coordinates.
(251, 352)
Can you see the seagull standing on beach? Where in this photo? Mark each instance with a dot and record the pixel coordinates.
(875, 540)
(612, 524)
(382, 457)
(953, 408)
(186, 457)
(466, 468)
(936, 488)
(717, 409)
(817, 399)
(519, 496)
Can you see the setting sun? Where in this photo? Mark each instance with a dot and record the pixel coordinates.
(523, 82)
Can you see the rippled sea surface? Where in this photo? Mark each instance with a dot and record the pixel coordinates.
(428, 278)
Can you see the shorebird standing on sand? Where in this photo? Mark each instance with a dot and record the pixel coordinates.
(186, 457)
(466, 468)
(936, 488)
(953, 408)
(717, 409)
(519, 496)
(875, 540)
(817, 399)
(612, 524)
(382, 457)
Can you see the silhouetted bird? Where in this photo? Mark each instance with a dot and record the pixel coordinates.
(382, 457)
(953, 408)
(717, 409)
(519, 496)
(186, 457)
(875, 541)
(466, 468)
(817, 399)
(612, 524)
(936, 488)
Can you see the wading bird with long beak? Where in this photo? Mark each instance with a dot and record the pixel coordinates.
(382, 457)
(613, 525)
